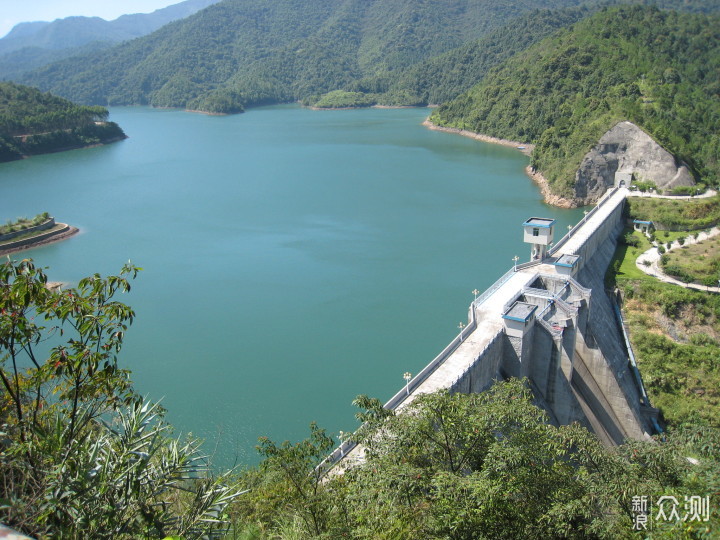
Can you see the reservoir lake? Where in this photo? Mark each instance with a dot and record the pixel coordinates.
(292, 258)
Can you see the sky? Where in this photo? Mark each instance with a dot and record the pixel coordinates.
(16, 11)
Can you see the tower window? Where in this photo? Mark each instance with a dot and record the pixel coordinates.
(536, 232)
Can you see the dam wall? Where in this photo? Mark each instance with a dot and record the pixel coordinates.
(551, 321)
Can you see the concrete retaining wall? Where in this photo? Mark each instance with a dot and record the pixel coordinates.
(49, 224)
(604, 352)
(19, 244)
(594, 250)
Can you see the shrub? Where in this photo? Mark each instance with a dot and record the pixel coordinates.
(82, 455)
(678, 273)
(631, 240)
(645, 186)
(683, 190)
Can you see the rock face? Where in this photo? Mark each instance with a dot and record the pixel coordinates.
(627, 149)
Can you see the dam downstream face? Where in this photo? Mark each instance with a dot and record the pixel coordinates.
(292, 258)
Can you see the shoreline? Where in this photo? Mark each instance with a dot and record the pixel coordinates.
(548, 196)
(522, 147)
(376, 106)
(41, 241)
(66, 149)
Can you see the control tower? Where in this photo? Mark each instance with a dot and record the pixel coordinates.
(539, 233)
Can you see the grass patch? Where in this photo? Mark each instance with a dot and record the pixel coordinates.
(622, 266)
(674, 215)
(698, 263)
(675, 333)
(23, 223)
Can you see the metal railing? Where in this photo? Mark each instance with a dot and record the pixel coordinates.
(500, 282)
(631, 355)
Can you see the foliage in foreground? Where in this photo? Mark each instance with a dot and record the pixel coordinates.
(81, 455)
(475, 466)
(84, 457)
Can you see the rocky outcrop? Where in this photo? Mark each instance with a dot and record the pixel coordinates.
(627, 149)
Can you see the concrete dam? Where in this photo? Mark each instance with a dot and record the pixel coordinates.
(549, 320)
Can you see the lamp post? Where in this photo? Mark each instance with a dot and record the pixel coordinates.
(515, 260)
(461, 326)
(475, 292)
(340, 438)
(407, 376)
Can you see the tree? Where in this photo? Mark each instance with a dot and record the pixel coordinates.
(470, 466)
(296, 469)
(82, 455)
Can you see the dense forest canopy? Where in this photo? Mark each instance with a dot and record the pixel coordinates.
(33, 122)
(240, 53)
(249, 53)
(657, 69)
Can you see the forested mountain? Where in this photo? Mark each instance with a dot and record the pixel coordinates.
(34, 44)
(657, 69)
(14, 64)
(32, 122)
(242, 52)
(76, 31)
(442, 78)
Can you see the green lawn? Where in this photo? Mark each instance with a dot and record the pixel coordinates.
(622, 266)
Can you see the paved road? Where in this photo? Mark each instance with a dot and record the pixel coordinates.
(707, 194)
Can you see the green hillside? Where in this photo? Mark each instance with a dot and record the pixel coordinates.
(443, 77)
(240, 52)
(33, 122)
(657, 69)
